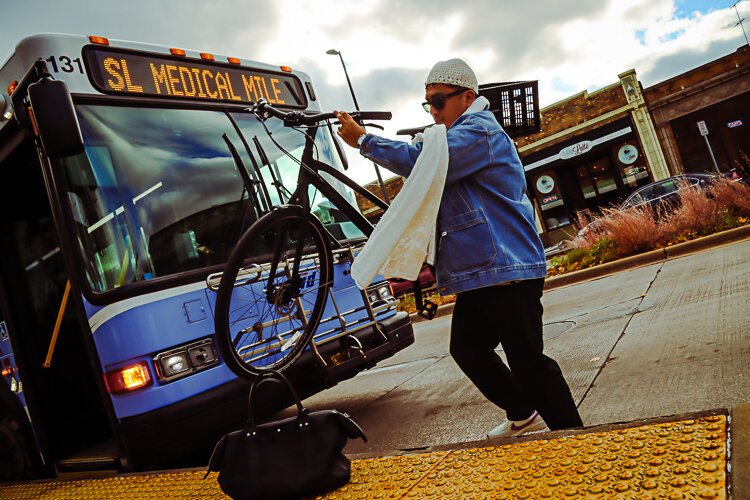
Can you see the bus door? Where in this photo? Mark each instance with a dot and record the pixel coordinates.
(65, 402)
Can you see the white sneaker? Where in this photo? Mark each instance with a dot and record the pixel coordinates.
(513, 428)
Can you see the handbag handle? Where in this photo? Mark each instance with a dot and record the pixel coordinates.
(273, 376)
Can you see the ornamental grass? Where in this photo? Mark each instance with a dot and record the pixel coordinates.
(621, 233)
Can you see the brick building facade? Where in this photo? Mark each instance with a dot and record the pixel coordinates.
(393, 186)
(593, 149)
(717, 94)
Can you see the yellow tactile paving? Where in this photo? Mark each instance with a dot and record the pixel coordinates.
(672, 460)
(683, 459)
(147, 486)
(388, 477)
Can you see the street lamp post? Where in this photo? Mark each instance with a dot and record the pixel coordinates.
(334, 52)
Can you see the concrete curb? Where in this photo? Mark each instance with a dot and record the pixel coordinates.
(643, 259)
(548, 435)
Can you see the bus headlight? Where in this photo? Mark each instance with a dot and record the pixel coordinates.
(380, 294)
(372, 295)
(184, 360)
(384, 291)
(175, 364)
(202, 355)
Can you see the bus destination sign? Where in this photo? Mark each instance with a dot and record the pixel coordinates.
(153, 75)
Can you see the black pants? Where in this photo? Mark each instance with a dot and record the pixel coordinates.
(511, 315)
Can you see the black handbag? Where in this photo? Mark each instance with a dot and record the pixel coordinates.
(290, 458)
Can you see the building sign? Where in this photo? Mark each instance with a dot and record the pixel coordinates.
(576, 150)
(631, 171)
(545, 184)
(735, 124)
(702, 127)
(627, 154)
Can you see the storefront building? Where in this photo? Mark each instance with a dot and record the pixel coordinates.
(705, 112)
(593, 150)
(371, 212)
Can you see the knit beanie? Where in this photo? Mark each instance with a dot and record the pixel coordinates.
(453, 72)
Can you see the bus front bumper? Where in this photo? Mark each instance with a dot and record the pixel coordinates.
(191, 427)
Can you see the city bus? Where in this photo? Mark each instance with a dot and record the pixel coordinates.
(128, 171)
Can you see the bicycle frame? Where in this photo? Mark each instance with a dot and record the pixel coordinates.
(309, 175)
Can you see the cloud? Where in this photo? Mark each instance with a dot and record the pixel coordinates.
(219, 26)
(389, 45)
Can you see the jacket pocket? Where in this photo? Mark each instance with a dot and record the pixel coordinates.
(466, 242)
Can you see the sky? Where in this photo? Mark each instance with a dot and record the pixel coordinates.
(389, 46)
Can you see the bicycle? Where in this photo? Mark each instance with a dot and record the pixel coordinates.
(272, 292)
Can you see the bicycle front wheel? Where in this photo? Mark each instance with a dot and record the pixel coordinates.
(272, 293)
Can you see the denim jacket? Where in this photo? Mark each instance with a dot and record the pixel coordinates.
(485, 229)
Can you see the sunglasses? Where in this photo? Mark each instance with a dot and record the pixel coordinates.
(438, 100)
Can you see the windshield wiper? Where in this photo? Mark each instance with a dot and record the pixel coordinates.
(248, 183)
(272, 169)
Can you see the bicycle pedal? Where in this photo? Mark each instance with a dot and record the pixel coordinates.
(428, 310)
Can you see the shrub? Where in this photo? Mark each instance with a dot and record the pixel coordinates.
(697, 211)
(632, 230)
(619, 233)
(743, 167)
(734, 195)
(408, 303)
(603, 250)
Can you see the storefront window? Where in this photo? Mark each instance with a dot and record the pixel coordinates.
(584, 180)
(603, 178)
(631, 164)
(547, 192)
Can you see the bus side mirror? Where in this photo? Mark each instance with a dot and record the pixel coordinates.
(55, 118)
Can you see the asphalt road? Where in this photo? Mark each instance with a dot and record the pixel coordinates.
(664, 339)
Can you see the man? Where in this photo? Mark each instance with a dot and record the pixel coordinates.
(488, 253)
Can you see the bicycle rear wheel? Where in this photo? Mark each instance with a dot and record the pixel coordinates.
(272, 293)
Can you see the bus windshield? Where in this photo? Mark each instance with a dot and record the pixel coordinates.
(158, 191)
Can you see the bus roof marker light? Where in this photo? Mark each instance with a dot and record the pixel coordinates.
(177, 52)
(128, 378)
(286, 69)
(99, 40)
(12, 87)
(207, 56)
(233, 60)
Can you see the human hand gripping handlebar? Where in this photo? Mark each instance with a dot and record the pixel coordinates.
(263, 110)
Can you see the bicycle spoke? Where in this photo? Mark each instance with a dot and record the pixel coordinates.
(279, 332)
(271, 311)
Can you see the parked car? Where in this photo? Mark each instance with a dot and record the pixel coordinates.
(556, 249)
(666, 191)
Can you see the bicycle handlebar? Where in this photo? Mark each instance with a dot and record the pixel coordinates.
(296, 118)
